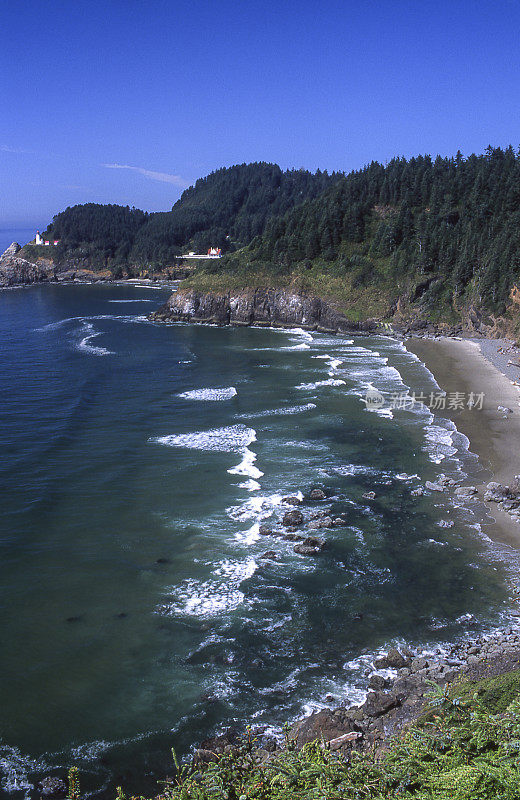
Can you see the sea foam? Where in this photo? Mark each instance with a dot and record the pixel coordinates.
(209, 394)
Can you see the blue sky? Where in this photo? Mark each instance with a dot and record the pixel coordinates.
(130, 101)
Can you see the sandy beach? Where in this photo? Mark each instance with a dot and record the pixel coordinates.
(482, 366)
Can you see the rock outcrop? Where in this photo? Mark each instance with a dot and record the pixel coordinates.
(16, 270)
(277, 307)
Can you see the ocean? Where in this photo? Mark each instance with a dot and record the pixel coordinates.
(139, 460)
(20, 235)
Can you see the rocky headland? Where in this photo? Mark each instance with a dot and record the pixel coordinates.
(258, 306)
(19, 267)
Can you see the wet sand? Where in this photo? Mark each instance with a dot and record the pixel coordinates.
(479, 367)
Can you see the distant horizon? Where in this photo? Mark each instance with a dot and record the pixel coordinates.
(28, 224)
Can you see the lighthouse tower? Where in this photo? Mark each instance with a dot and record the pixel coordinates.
(39, 239)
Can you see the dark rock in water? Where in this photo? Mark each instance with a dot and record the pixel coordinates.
(322, 522)
(293, 518)
(434, 487)
(310, 546)
(317, 494)
(291, 501)
(392, 660)
(74, 619)
(270, 554)
(263, 530)
(53, 787)
(292, 537)
(122, 615)
(163, 561)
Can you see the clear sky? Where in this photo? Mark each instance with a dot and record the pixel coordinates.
(129, 101)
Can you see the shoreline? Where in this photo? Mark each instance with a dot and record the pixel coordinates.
(480, 366)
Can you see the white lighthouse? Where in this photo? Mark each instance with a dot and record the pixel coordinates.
(38, 239)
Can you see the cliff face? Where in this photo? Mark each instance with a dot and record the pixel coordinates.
(267, 307)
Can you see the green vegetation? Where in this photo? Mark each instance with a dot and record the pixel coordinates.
(434, 237)
(468, 748)
(227, 208)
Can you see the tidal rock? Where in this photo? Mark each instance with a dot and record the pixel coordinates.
(465, 491)
(310, 546)
(434, 487)
(369, 495)
(392, 660)
(263, 530)
(293, 518)
(291, 501)
(317, 494)
(270, 554)
(322, 522)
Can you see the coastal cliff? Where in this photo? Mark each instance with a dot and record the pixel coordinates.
(257, 306)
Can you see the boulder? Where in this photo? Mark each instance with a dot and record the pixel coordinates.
(291, 501)
(378, 703)
(270, 554)
(264, 530)
(434, 487)
(392, 660)
(465, 491)
(377, 683)
(310, 546)
(317, 494)
(323, 522)
(293, 518)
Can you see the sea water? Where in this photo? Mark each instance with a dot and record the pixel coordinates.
(138, 462)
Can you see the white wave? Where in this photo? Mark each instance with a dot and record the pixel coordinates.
(209, 394)
(301, 332)
(218, 595)
(85, 346)
(284, 348)
(354, 469)
(333, 365)
(248, 469)
(52, 326)
(439, 443)
(318, 384)
(16, 768)
(325, 358)
(258, 508)
(223, 440)
(278, 411)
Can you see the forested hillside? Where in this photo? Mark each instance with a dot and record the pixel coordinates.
(225, 209)
(436, 237)
(449, 229)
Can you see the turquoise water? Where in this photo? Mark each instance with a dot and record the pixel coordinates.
(138, 460)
